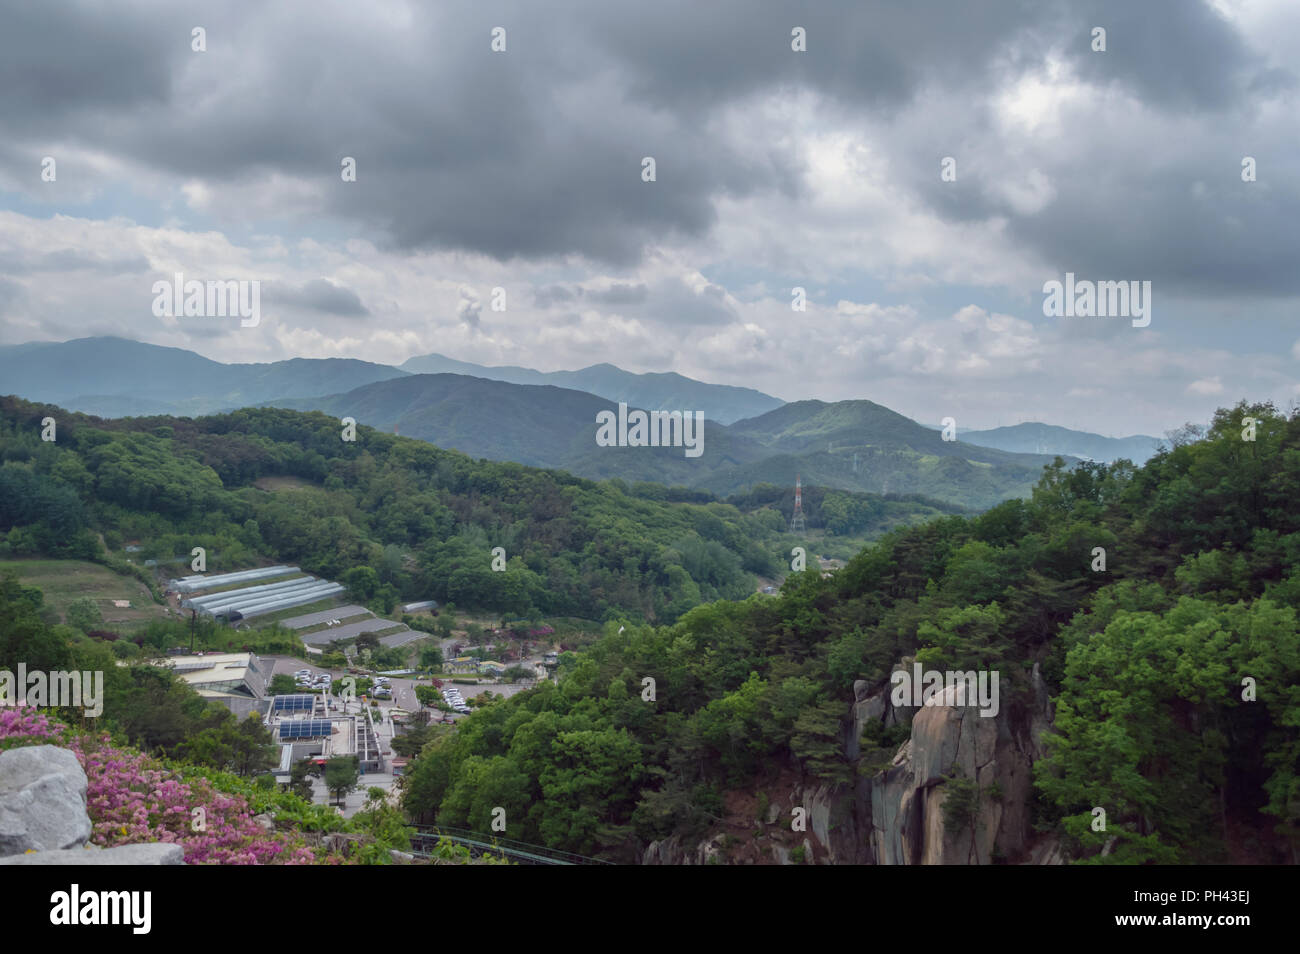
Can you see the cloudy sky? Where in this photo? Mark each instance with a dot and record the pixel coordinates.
(774, 168)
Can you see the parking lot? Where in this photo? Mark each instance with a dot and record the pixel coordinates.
(402, 688)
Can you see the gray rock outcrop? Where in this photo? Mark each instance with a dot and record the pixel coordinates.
(950, 741)
(42, 800)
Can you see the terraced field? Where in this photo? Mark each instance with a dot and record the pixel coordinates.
(63, 581)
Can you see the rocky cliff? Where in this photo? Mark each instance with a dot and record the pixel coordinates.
(951, 746)
(897, 815)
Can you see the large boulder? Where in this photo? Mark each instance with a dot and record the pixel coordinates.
(42, 800)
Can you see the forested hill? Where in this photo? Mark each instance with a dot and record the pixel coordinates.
(848, 445)
(278, 485)
(1173, 674)
(667, 391)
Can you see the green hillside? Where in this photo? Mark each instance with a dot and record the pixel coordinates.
(850, 445)
(423, 521)
(1145, 662)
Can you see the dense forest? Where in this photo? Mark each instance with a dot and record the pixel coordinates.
(267, 484)
(1175, 670)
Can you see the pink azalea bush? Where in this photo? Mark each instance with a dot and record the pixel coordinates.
(23, 722)
(132, 798)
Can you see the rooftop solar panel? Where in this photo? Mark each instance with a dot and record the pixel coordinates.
(294, 703)
(304, 728)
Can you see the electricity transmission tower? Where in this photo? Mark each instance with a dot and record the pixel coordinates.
(797, 524)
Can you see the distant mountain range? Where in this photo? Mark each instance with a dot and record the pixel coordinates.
(659, 392)
(117, 377)
(1036, 438)
(548, 419)
(850, 445)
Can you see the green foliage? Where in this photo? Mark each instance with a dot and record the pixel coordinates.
(244, 747)
(427, 695)
(300, 774)
(341, 775)
(960, 804)
(84, 614)
(385, 823)
(282, 685)
(878, 745)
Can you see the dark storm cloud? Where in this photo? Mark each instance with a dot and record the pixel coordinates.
(1159, 229)
(536, 152)
(65, 58)
(1170, 53)
(317, 295)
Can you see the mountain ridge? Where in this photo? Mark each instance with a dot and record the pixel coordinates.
(111, 376)
(849, 445)
(652, 390)
(1038, 437)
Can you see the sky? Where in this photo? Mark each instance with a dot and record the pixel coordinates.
(774, 168)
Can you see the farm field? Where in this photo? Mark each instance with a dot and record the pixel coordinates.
(63, 581)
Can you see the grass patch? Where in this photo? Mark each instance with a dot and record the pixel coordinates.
(63, 581)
